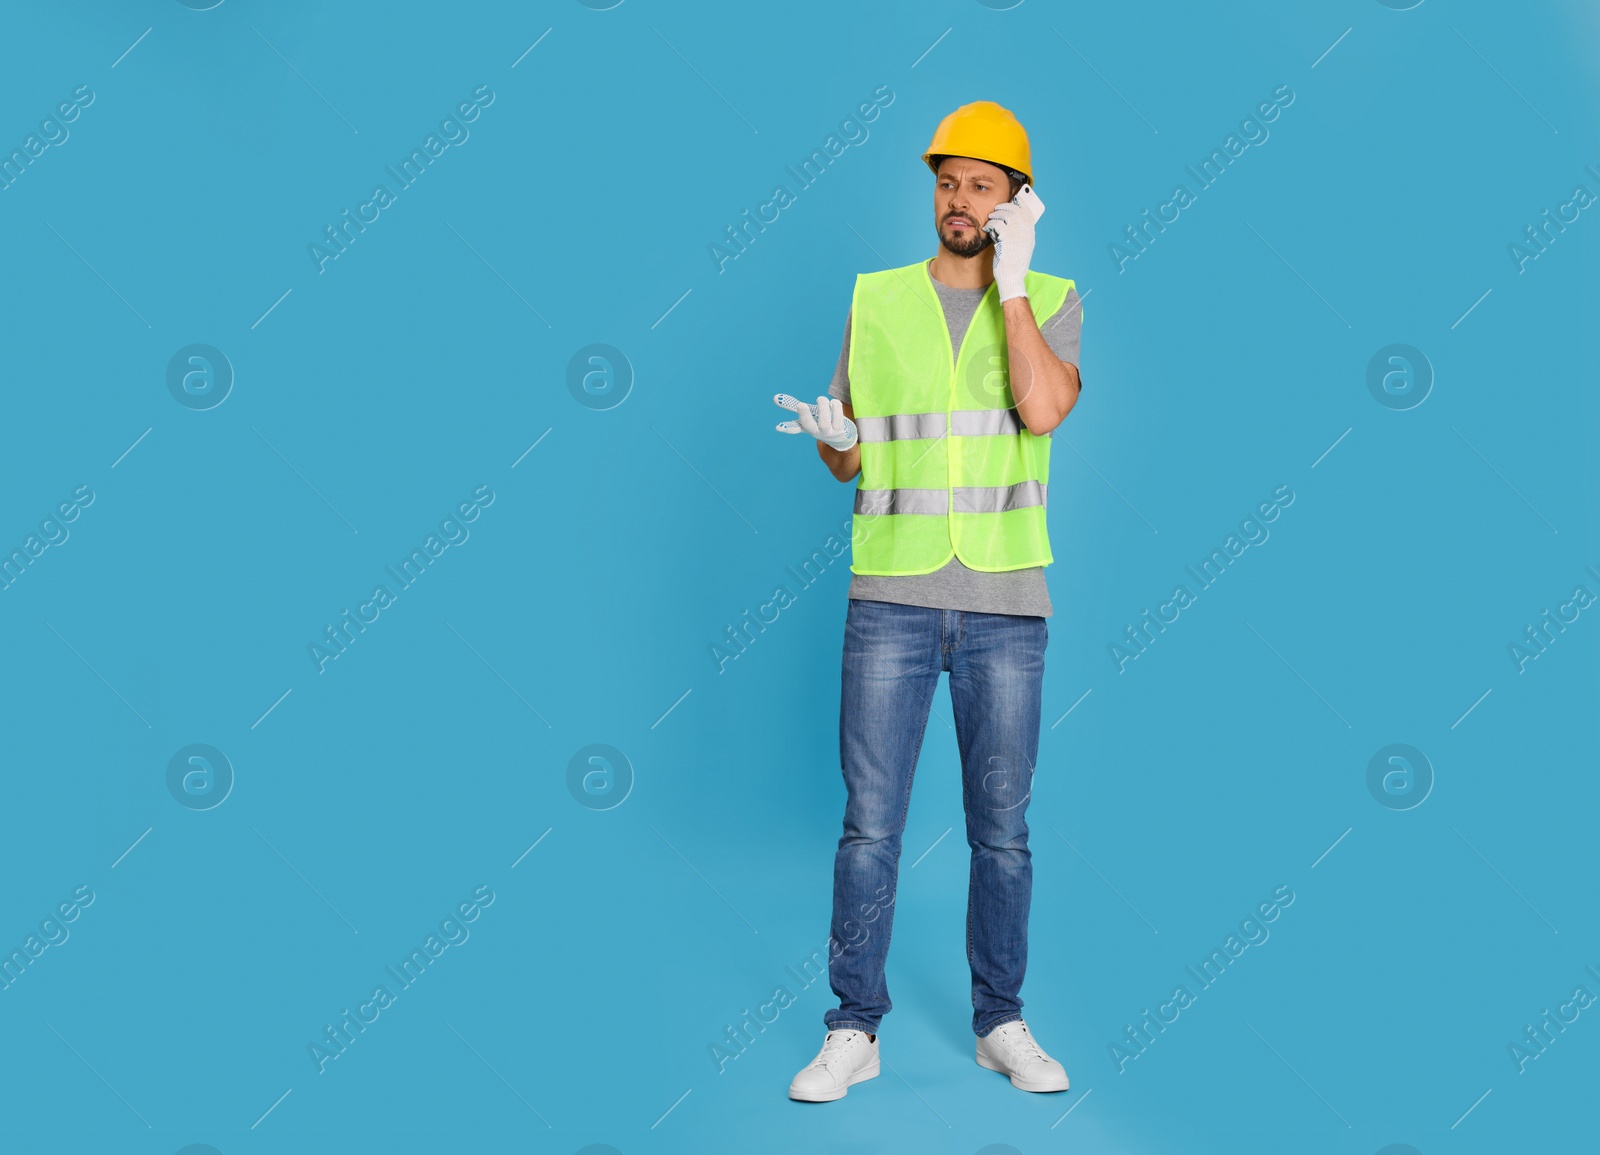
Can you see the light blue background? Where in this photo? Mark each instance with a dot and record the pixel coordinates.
(424, 762)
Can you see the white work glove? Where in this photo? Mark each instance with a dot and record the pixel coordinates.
(825, 421)
(1012, 230)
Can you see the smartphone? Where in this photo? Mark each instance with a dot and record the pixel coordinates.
(1030, 202)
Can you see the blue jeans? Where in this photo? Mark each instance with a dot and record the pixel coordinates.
(893, 655)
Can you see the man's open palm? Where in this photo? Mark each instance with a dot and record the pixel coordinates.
(825, 421)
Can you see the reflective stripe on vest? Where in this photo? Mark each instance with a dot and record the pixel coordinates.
(923, 426)
(948, 467)
(968, 499)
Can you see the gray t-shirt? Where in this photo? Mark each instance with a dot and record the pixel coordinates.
(955, 587)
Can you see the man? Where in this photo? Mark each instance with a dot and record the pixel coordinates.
(953, 373)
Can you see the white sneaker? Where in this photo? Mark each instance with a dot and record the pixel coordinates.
(847, 1057)
(1011, 1050)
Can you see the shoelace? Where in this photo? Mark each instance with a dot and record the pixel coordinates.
(833, 1050)
(1021, 1043)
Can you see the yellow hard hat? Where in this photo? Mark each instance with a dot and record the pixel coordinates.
(983, 131)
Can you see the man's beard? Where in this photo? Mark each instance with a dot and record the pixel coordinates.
(975, 244)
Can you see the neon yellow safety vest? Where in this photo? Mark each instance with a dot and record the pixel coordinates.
(948, 469)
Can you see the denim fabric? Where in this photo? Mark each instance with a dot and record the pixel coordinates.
(893, 656)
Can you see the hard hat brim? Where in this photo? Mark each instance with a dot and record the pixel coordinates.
(932, 159)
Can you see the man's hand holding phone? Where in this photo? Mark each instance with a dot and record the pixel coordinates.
(1011, 226)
